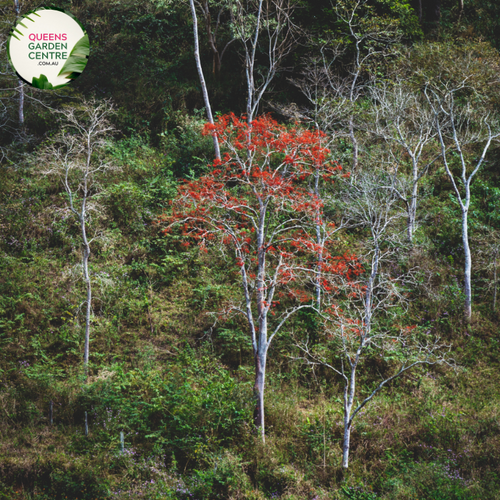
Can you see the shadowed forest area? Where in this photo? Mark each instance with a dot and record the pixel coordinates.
(252, 252)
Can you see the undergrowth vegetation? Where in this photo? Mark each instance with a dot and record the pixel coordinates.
(180, 387)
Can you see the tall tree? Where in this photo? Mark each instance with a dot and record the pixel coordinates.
(339, 80)
(256, 202)
(462, 129)
(403, 119)
(354, 326)
(75, 158)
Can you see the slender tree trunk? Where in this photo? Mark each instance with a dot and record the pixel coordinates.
(260, 379)
(319, 242)
(86, 276)
(249, 69)
(346, 445)
(468, 267)
(350, 385)
(250, 87)
(260, 349)
(412, 205)
(349, 391)
(410, 226)
(354, 145)
(412, 212)
(369, 292)
(461, 7)
(86, 255)
(320, 263)
(202, 78)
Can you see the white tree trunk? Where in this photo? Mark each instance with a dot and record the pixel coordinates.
(86, 276)
(252, 98)
(260, 353)
(319, 241)
(202, 78)
(346, 445)
(354, 141)
(461, 9)
(412, 205)
(260, 379)
(349, 391)
(468, 267)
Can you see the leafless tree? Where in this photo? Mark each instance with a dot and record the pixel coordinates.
(334, 87)
(74, 158)
(352, 323)
(323, 225)
(461, 129)
(264, 25)
(404, 120)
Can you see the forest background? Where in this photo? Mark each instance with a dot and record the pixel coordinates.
(160, 403)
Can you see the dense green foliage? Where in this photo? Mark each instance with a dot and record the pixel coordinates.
(166, 371)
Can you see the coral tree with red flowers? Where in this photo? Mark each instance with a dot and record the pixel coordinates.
(261, 201)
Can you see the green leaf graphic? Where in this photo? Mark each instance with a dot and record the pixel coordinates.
(41, 82)
(77, 60)
(82, 47)
(74, 65)
(73, 75)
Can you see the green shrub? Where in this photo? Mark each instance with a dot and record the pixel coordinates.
(188, 410)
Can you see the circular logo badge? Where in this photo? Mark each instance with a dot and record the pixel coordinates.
(48, 48)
